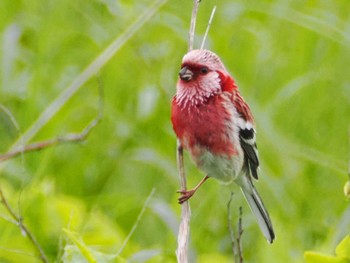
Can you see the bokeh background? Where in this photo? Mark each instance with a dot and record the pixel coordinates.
(291, 62)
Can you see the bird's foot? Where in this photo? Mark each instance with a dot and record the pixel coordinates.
(185, 195)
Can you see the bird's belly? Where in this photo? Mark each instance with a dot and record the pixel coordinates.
(222, 167)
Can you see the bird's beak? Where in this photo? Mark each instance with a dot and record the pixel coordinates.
(185, 74)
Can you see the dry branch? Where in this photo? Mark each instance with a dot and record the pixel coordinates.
(77, 137)
(236, 242)
(37, 146)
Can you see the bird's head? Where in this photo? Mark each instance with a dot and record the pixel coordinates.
(199, 64)
(202, 75)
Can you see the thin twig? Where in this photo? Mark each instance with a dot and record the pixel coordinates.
(239, 236)
(184, 228)
(23, 227)
(37, 146)
(11, 117)
(145, 204)
(15, 124)
(193, 24)
(235, 241)
(208, 27)
(232, 234)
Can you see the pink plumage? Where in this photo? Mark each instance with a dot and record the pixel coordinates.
(216, 126)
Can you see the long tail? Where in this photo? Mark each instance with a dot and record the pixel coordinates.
(258, 208)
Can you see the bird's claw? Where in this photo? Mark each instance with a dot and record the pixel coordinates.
(185, 195)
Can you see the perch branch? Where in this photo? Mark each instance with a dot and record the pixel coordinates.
(184, 228)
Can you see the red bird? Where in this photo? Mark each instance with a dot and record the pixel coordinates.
(216, 126)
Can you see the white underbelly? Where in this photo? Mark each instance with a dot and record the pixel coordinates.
(225, 169)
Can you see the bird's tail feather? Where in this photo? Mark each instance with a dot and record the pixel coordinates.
(258, 209)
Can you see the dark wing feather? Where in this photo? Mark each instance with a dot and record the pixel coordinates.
(248, 144)
(246, 134)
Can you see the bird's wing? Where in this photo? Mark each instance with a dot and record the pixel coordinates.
(248, 144)
(247, 135)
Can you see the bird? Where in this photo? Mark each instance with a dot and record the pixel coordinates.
(215, 125)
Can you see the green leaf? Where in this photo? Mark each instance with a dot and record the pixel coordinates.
(343, 249)
(314, 257)
(213, 257)
(79, 252)
(72, 254)
(84, 250)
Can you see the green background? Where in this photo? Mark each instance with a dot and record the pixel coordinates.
(290, 60)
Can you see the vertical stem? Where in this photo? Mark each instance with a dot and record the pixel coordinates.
(232, 234)
(239, 238)
(193, 24)
(184, 229)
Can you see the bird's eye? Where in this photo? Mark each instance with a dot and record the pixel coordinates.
(204, 70)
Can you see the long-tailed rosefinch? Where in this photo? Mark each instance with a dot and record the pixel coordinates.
(216, 126)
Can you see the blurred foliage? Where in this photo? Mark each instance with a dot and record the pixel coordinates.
(291, 62)
(342, 254)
